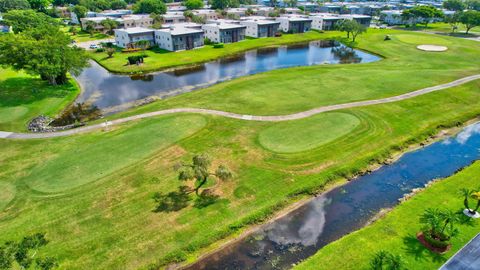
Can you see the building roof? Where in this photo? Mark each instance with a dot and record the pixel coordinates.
(295, 18)
(180, 30)
(466, 258)
(136, 30)
(261, 22)
(224, 26)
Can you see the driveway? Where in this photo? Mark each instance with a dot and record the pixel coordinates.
(86, 44)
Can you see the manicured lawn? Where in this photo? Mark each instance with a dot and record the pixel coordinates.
(285, 91)
(306, 134)
(164, 59)
(92, 193)
(101, 217)
(23, 97)
(82, 36)
(446, 28)
(396, 231)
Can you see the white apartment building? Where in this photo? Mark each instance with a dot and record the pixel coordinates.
(178, 38)
(126, 38)
(294, 24)
(258, 28)
(224, 32)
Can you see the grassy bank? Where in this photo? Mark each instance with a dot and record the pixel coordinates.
(164, 59)
(23, 97)
(92, 193)
(108, 210)
(396, 231)
(292, 90)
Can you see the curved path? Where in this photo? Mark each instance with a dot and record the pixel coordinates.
(277, 118)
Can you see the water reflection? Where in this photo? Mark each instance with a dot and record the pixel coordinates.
(106, 90)
(326, 218)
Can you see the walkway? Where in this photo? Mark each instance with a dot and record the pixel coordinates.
(277, 118)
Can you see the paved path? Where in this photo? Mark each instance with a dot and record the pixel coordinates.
(276, 118)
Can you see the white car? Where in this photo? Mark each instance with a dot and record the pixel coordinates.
(94, 46)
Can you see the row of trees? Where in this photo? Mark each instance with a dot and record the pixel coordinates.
(39, 47)
(461, 5)
(21, 254)
(421, 14)
(469, 18)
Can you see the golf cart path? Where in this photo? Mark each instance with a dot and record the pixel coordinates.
(276, 118)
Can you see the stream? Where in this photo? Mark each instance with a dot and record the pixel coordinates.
(326, 218)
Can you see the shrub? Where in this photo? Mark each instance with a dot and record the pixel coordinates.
(134, 59)
(99, 50)
(207, 41)
(438, 243)
(218, 45)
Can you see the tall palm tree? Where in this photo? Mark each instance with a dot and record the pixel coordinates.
(450, 219)
(466, 194)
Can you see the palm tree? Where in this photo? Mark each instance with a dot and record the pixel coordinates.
(386, 260)
(142, 44)
(450, 218)
(466, 193)
(157, 20)
(90, 28)
(432, 219)
(476, 196)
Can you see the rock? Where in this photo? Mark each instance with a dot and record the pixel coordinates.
(42, 124)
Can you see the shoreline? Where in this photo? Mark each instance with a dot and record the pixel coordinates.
(329, 186)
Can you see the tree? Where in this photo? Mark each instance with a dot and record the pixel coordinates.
(118, 4)
(220, 4)
(386, 260)
(7, 5)
(150, 6)
(109, 25)
(454, 20)
(19, 252)
(42, 51)
(142, 44)
(102, 5)
(454, 5)
(40, 5)
(22, 20)
(90, 28)
(470, 194)
(198, 170)
(421, 13)
(80, 11)
(157, 20)
(470, 19)
(193, 4)
(110, 52)
(473, 5)
(439, 224)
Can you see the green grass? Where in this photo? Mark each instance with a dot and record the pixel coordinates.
(23, 97)
(292, 90)
(92, 193)
(82, 36)
(112, 214)
(396, 231)
(163, 59)
(306, 134)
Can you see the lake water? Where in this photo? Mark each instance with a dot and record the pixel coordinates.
(345, 209)
(104, 89)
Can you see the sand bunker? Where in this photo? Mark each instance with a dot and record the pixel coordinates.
(432, 48)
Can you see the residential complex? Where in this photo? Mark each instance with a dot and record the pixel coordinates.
(179, 38)
(222, 32)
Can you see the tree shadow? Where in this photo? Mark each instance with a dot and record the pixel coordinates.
(205, 199)
(421, 253)
(25, 90)
(173, 201)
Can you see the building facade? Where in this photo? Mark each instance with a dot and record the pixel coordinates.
(260, 28)
(294, 24)
(224, 32)
(179, 38)
(127, 38)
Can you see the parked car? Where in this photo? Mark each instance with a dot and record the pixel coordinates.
(94, 46)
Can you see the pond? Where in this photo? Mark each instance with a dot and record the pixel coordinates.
(328, 217)
(105, 90)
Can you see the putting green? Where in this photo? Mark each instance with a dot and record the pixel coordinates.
(91, 157)
(7, 193)
(306, 134)
(422, 39)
